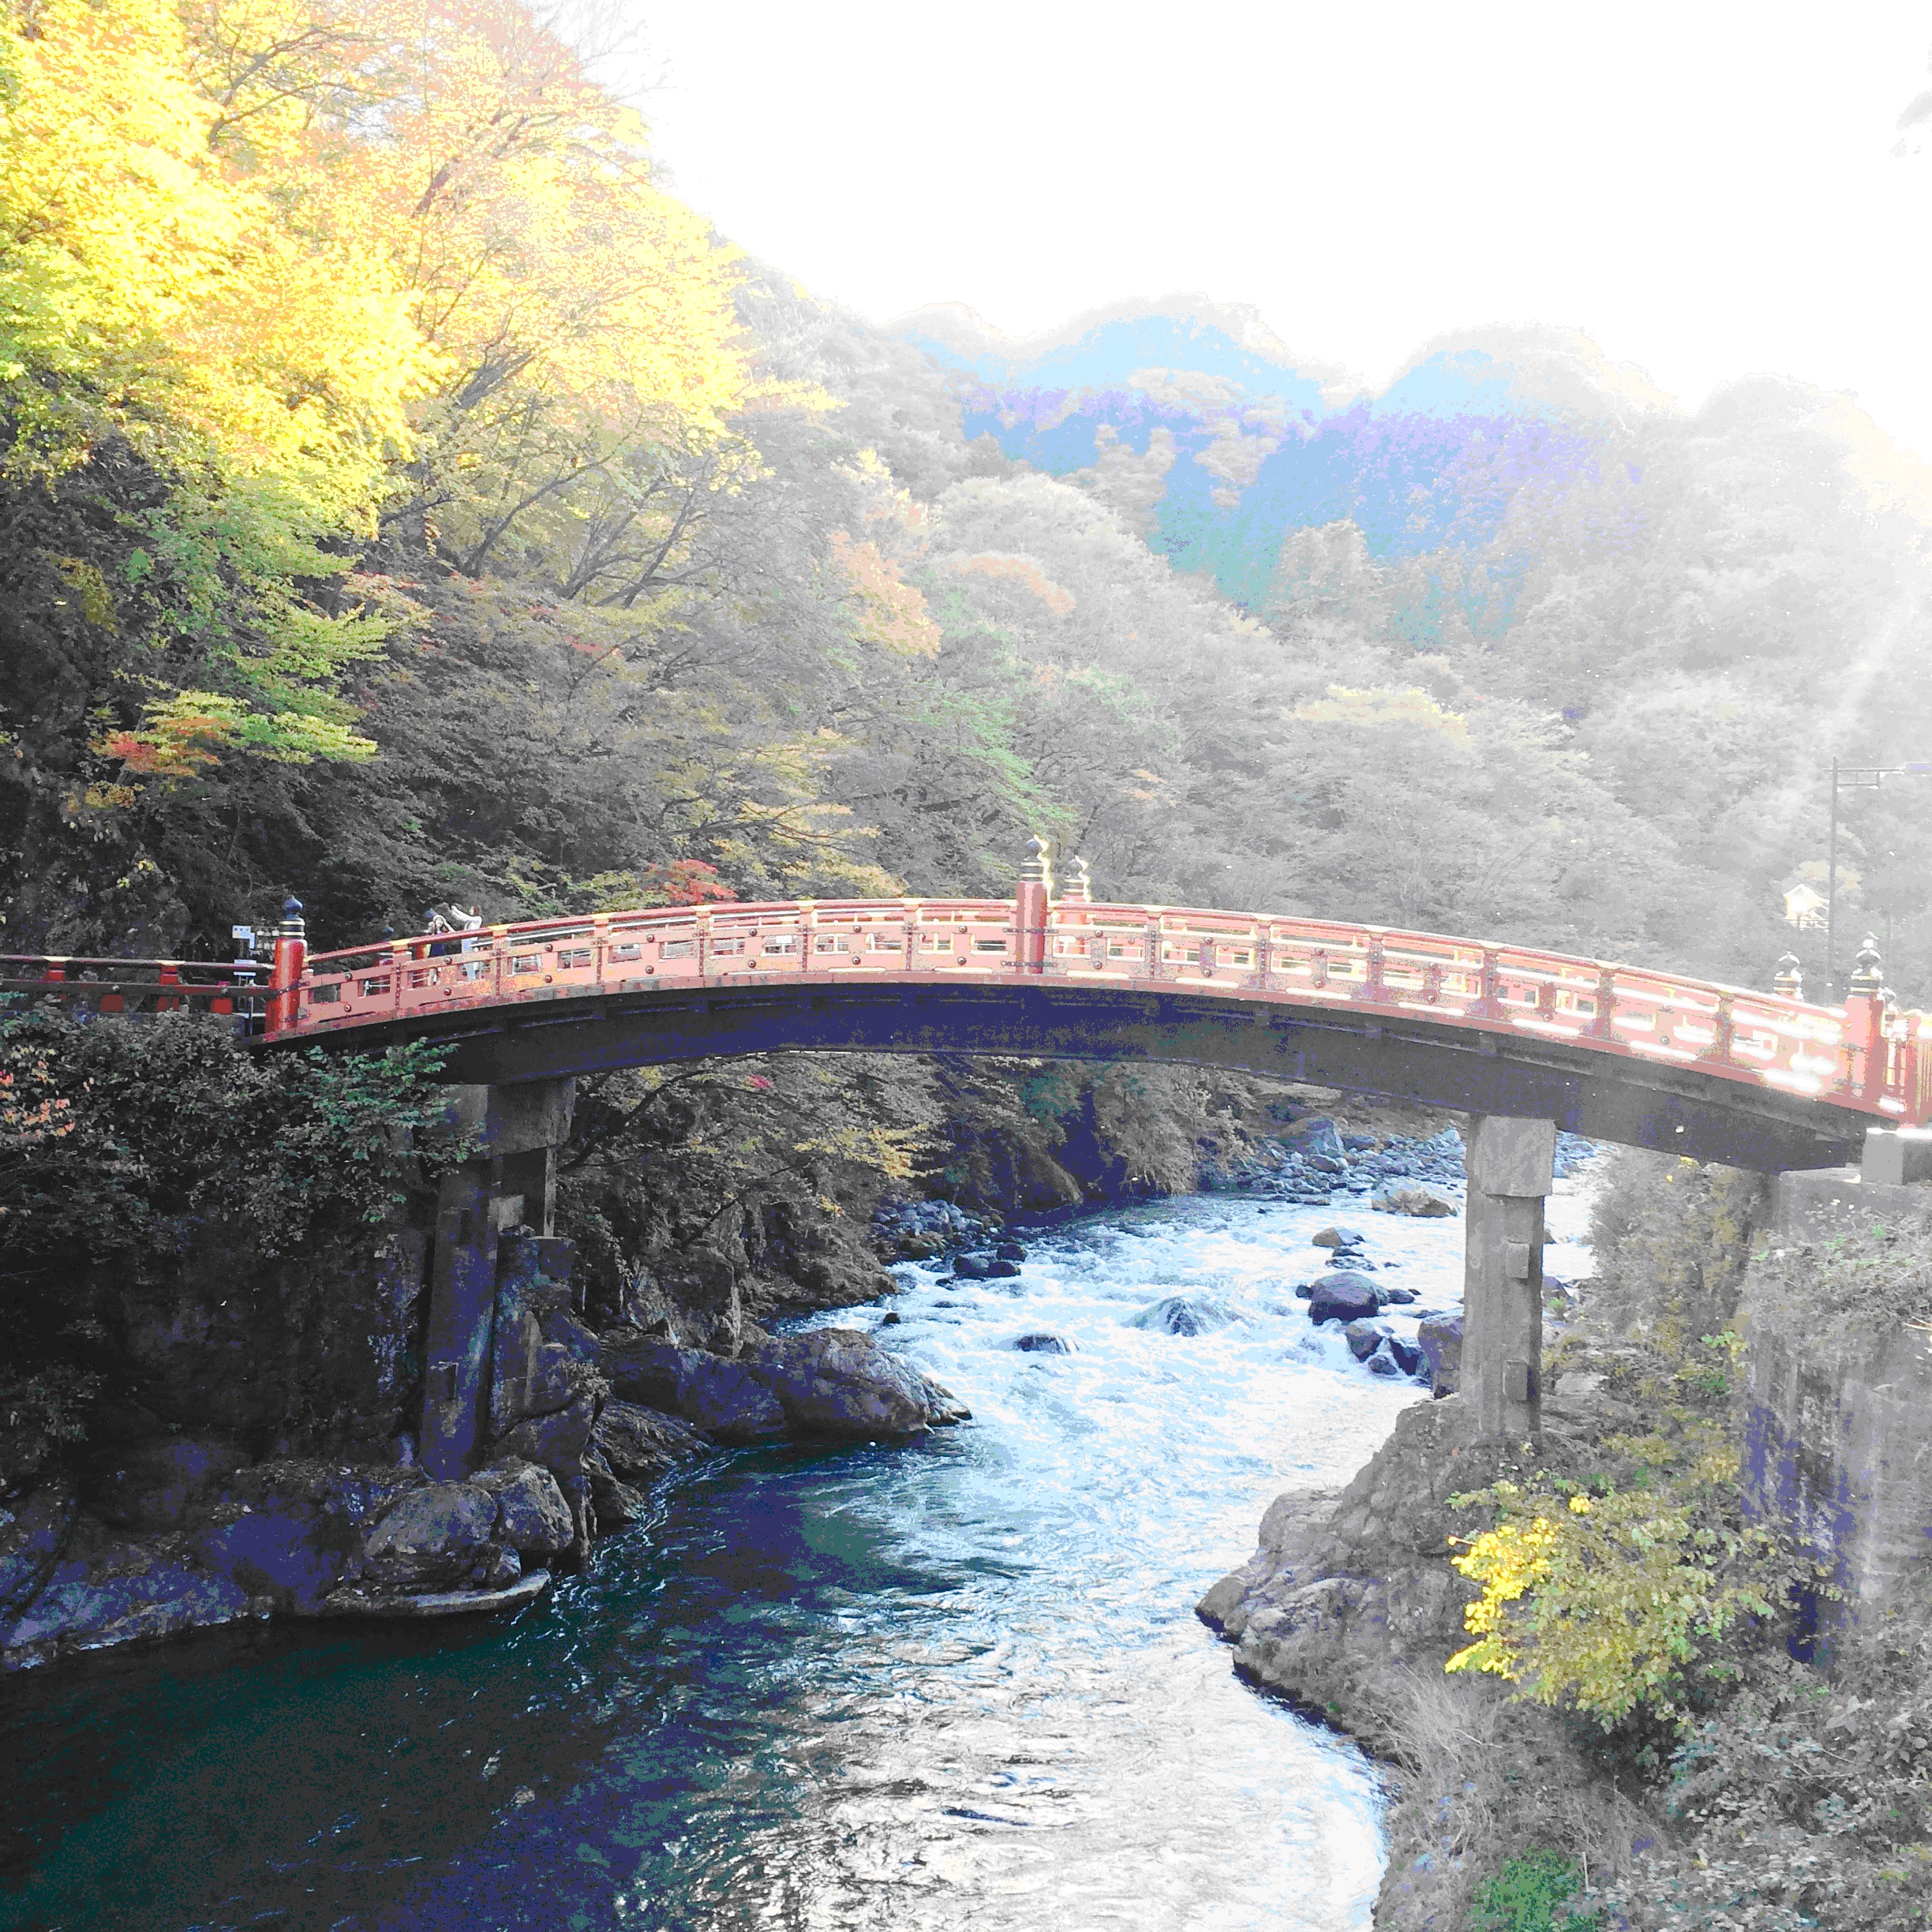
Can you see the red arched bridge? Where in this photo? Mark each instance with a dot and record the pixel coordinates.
(1524, 1041)
(1620, 1053)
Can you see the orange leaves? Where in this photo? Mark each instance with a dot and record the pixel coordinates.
(892, 613)
(1022, 572)
(177, 745)
(689, 881)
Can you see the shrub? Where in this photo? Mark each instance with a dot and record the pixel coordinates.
(1528, 1894)
(124, 1147)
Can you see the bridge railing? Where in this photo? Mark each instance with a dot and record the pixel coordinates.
(1864, 1055)
(1861, 1054)
(124, 986)
(623, 953)
(1858, 1055)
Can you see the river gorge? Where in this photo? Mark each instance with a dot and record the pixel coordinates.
(957, 1684)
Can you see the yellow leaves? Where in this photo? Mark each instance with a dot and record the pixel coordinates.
(1628, 1591)
(1384, 706)
(143, 288)
(1508, 1561)
(892, 613)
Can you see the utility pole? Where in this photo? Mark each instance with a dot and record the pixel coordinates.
(1860, 778)
(1831, 892)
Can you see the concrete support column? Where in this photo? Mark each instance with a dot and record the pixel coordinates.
(510, 1181)
(1511, 1166)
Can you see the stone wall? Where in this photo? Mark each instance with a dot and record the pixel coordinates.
(1838, 1421)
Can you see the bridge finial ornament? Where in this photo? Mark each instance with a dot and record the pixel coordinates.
(1789, 980)
(1869, 979)
(1078, 890)
(1033, 867)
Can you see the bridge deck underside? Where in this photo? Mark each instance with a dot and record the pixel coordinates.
(1681, 1110)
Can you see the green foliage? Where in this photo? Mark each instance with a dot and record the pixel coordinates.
(130, 1154)
(744, 1153)
(1671, 1240)
(1624, 1605)
(1531, 1893)
(1876, 1279)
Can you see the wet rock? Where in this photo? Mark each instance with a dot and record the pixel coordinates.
(1325, 1163)
(1407, 1197)
(1343, 1296)
(108, 1589)
(916, 1230)
(1440, 1341)
(289, 1531)
(1336, 1238)
(32, 1530)
(433, 1539)
(1002, 1271)
(1303, 1290)
(1383, 1364)
(1183, 1315)
(616, 1502)
(1010, 1251)
(723, 1399)
(639, 1442)
(1401, 1296)
(517, 1590)
(972, 1267)
(1042, 1344)
(1409, 1359)
(532, 1517)
(891, 1318)
(1364, 1338)
(839, 1382)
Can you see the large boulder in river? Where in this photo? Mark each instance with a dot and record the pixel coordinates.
(1410, 1197)
(1364, 1338)
(433, 1538)
(1342, 1295)
(1440, 1340)
(532, 1517)
(721, 1397)
(838, 1382)
(1183, 1315)
(639, 1442)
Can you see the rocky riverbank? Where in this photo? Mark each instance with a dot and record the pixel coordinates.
(1787, 1788)
(186, 1532)
(257, 1458)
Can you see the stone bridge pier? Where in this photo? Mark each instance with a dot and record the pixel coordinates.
(1510, 1166)
(509, 1182)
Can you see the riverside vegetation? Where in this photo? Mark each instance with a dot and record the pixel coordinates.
(1667, 1716)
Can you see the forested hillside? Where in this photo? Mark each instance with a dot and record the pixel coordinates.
(407, 500)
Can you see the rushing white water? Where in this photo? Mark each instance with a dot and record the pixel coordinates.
(958, 1684)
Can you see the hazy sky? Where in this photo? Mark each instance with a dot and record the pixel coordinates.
(1707, 189)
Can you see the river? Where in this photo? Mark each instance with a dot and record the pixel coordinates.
(954, 1685)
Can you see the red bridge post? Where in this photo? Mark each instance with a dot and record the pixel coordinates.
(1865, 1024)
(291, 955)
(1031, 899)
